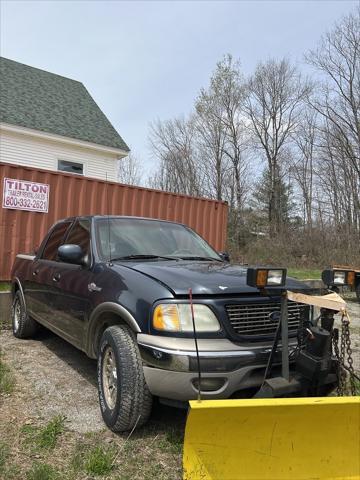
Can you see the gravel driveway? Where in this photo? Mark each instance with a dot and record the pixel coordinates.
(55, 378)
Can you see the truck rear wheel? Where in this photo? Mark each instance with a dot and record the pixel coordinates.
(23, 326)
(124, 397)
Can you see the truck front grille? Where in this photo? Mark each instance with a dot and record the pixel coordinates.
(254, 318)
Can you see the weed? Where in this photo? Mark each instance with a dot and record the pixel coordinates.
(172, 442)
(49, 434)
(5, 286)
(93, 460)
(42, 471)
(7, 380)
(357, 387)
(77, 459)
(99, 461)
(4, 453)
(45, 437)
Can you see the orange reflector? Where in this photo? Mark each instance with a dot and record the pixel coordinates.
(351, 278)
(261, 278)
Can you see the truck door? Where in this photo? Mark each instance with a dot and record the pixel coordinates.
(38, 290)
(70, 284)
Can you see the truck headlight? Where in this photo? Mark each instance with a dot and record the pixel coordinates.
(172, 317)
(275, 277)
(266, 277)
(338, 277)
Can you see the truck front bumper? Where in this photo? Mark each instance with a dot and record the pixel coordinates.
(170, 366)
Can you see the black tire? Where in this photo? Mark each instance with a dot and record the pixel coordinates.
(358, 292)
(132, 400)
(23, 326)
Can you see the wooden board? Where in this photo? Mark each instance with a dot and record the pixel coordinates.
(332, 301)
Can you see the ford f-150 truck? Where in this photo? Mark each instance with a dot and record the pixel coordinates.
(118, 289)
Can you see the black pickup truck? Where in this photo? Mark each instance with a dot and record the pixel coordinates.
(118, 289)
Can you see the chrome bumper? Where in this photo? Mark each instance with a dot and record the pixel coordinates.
(170, 366)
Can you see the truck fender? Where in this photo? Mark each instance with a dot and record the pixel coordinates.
(107, 308)
(16, 282)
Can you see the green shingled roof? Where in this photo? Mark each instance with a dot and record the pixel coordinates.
(40, 100)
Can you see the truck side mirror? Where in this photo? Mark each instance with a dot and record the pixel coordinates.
(224, 256)
(71, 253)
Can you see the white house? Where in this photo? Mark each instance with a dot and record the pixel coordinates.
(51, 122)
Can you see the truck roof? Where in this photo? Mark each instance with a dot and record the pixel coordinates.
(117, 216)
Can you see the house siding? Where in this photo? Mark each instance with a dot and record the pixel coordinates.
(35, 152)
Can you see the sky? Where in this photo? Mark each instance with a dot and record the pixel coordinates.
(147, 60)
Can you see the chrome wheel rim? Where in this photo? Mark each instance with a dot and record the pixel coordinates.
(109, 375)
(17, 315)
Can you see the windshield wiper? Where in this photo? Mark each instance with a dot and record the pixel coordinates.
(144, 257)
(202, 258)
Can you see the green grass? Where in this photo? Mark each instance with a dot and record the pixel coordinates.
(172, 442)
(5, 286)
(42, 471)
(96, 460)
(7, 380)
(4, 453)
(357, 387)
(44, 438)
(304, 274)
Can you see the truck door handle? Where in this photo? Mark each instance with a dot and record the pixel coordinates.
(56, 277)
(35, 272)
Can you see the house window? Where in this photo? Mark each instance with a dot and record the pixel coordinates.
(71, 167)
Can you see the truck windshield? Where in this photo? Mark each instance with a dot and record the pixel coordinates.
(119, 238)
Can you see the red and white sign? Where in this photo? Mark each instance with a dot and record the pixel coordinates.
(24, 195)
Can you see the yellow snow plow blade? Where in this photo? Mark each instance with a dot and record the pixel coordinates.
(277, 439)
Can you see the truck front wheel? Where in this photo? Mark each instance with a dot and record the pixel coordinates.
(125, 399)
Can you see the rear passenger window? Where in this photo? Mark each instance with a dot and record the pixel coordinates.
(80, 235)
(54, 241)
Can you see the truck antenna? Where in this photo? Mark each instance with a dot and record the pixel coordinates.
(108, 215)
(196, 344)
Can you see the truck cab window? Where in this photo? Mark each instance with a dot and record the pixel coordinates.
(54, 241)
(80, 235)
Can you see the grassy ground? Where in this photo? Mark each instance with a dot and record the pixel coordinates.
(4, 286)
(36, 444)
(50, 451)
(304, 274)
(7, 380)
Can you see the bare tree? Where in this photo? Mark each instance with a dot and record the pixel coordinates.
(173, 144)
(337, 101)
(223, 139)
(211, 137)
(129, 170)
(276, 95)
(304, 162)
(229, 87)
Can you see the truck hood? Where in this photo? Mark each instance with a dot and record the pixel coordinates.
(204, 278)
